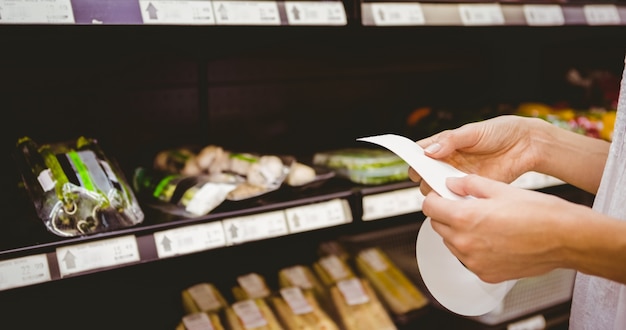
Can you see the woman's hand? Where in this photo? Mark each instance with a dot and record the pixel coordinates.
(505, 232)
(500, 148)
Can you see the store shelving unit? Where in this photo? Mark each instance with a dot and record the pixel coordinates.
(143, 75)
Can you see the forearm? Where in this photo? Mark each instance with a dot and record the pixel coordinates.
(594, 244)
(574, 158)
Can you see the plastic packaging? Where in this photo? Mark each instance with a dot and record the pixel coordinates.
(364, 165)
(75, 188)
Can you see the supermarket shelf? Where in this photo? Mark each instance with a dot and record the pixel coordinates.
(309, 13)
(173, 12)
(388, 13)
(281, 215)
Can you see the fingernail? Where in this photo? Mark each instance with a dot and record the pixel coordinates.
(433, 148)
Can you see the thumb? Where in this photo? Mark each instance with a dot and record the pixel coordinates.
(443, 144)
(476, 186)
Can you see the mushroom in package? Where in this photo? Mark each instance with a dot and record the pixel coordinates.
(75, 188)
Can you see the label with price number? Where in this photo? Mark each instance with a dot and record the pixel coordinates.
(24, 271)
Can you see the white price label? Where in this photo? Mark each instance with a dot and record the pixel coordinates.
(36, 12)
(316, 13)
(249, 314)
(389, 204)
(296, 300)
(99, 254)
(334, 267)
(197, 321)
(601, 14)
(246, 13)
(254, 285)
(544, 15)
(189, 239)
(397, 14)
(297, 277)
(255, 227)
(321, 215)
(481, 14)
(24, 271)
(353, 291)
(177, 12)
(374, 259)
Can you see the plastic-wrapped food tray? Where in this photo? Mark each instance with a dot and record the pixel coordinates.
(364, 165)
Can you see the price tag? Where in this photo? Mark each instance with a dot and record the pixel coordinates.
(393, 203)
(320, 215)
(543, 15)
(255, 227)
(177, 12)
(189, 239)
(204, 297)
(24, 271)
(315, 13)
(99, 254)
(297, 277)
(197, 321)
(374, 259)
(397, 14)
(536, 322)
(249, 314)
(481, 14)
(353, 291)
(602, 14)
(36, 11)
(296, 300)
(254, 285)
(246, 13)
(334, 267)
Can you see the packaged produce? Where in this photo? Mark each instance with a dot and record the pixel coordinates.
(75, 188)
(394, 288)
(364, 165)
(187, 195)
(356, 304)
(204, 307)
(200, 321)
(301, 276)
(203, 297)
(252, 314)
(299, 310)
(251, 286)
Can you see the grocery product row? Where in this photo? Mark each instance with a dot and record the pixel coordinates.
(314, 13)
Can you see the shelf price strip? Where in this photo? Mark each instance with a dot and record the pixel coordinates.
(189, 239)
(246, 13)
(397, 14)
(36, 11)
(601, 14)
(99, 254)
(315, 13)
(255, 227)
(320, 215)
(393, 203)
(24, 271)
(544, 15)
(481, 14)
(177, 12)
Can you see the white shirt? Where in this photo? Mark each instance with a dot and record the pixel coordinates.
(597, 303)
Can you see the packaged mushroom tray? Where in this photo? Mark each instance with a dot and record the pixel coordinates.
(192, 183)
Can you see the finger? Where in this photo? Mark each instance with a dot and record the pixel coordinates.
(476, 186)
(414, 176)
(425, 189)
(446, 142)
